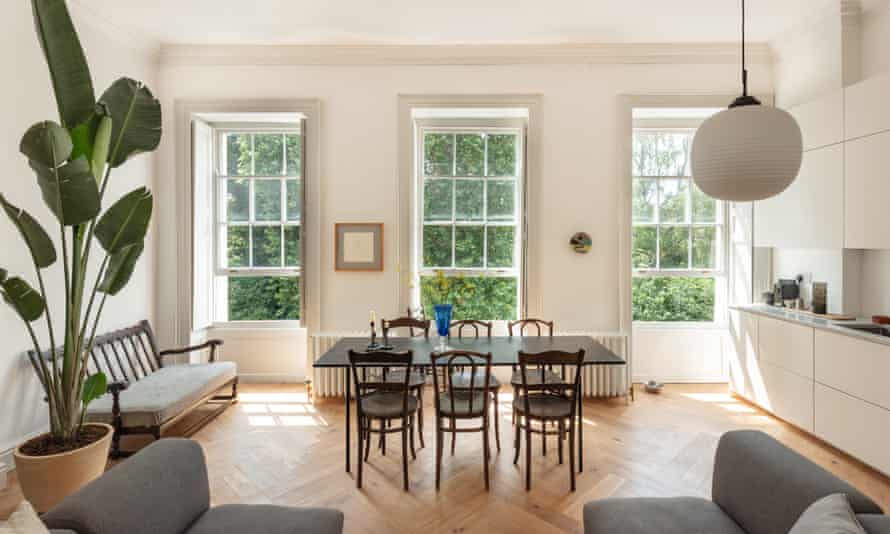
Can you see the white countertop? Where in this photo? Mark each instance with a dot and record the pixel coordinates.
(821, 323)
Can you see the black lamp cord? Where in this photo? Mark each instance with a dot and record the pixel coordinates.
(745, 99)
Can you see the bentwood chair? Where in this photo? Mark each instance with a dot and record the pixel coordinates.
(541, 327)
(469, 401)
(416, 328)
(383, 400)
(461, 379)
(554, 403)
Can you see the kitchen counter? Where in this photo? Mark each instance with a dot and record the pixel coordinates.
(806, 319)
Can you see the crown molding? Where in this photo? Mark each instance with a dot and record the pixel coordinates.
(498, 54)
(134, 42)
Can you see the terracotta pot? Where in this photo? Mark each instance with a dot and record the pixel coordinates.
(46, 480)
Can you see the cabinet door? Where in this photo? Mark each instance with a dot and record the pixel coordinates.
(786, 345)
(856, 427)
(821, 121)
(810, 213)
(787, 395)
(856, 367)
(866, 192)
(866, 110)
(743, 352)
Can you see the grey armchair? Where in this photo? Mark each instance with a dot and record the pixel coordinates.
(164, 490)
(759, 487)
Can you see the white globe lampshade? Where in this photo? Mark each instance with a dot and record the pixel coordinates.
(747, 153)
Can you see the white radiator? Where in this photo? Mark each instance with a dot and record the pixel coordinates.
(599, 380)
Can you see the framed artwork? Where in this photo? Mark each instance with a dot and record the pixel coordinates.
(358, 247)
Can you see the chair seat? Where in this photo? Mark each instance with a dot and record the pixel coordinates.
(417, 379)
(462, 404)
(268, 519)
(387, 405)
(462, 380)
(544, 406)
(681, 515)
(534, 377)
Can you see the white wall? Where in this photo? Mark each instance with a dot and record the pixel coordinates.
(578, 184)
(26, 98)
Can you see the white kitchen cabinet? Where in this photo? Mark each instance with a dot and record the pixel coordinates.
(743, 352)
(856, 427)
(821, 121)
(857, 367)
(810, 213)
(785, 394)
(866, 110)
(866, 190)
(786, 345)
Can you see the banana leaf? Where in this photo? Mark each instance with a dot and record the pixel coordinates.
(136, 119)
(120, 269)
(126, 221)
(39, 243)
(70, 191)
(22, 297)
(47, 143)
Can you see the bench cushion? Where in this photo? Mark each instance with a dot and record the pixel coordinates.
(680, 515)
(268, 519)
(164, 394)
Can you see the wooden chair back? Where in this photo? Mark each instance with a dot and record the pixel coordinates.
(470, 323)
(379, 363)
(542, 387)
(125, 355)
(518, 327)
(407, 322)
(453, 362)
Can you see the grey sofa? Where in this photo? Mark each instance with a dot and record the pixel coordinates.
(759, 487)
(164, 489)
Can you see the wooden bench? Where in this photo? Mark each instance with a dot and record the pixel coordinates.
(145, 395)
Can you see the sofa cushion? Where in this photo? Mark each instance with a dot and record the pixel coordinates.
(267, 519)
(829, 515)
(680, 515)
(875, 523)
(164, 394)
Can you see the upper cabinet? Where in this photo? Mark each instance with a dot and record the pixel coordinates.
(867, 107)
(810, 213)
(821, 121)
(866, 190)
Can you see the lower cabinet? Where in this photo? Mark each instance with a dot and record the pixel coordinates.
(786, 394)
(854, 426)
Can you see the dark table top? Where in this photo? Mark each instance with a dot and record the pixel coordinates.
(503, 349)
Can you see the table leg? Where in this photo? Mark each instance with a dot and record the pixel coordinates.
(580, 427)
(348, 422)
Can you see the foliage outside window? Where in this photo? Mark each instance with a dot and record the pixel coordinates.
(678, 232)
(260, 212)
(470, 183)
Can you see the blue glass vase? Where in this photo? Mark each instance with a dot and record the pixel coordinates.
(443, 318)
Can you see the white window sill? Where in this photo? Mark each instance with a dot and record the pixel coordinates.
(257, 325)
(679, 325)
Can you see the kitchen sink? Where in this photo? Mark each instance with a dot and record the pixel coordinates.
(875, 329)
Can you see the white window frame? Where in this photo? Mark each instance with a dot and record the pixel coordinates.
(719, 273)
(517, 127)
(223, 272)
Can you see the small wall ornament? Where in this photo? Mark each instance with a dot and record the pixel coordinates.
(581, 242)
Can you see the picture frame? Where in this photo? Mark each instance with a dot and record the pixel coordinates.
(358, 247)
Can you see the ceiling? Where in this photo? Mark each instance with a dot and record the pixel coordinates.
(445, 21)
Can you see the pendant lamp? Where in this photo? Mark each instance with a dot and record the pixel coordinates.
(749, 151)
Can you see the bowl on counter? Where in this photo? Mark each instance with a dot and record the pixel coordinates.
(880, 319)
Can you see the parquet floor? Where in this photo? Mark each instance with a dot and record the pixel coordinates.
(275, 447)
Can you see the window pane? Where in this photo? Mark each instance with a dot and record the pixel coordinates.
(267, 246)
(264, 298)
(267, 200)
(661, 153)
(269, 150)
(501, 200)
(436, 246)
(438, 154)
(437, 199)
(294, 154)
(291, 246)
(500, 246)
(673, 299)
(237, 200)
(487, 298)
(644, 247)
(704, 248)
(294, 200)
(470, 154)
(237, 243)
(502, 155)
(672, 200)
(674, 245)
(645, 199)
(468, 245)
(704, 208)
(469, 199)
(238, 155)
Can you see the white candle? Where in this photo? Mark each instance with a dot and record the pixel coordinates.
(373, 317)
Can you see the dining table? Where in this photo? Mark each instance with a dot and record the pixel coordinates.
(504, 352)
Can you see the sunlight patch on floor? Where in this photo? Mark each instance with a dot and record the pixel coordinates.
(709, 397)
(274, 397)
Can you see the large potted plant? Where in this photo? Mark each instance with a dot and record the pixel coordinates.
(73, 160)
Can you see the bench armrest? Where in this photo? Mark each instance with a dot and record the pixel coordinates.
(211, 344)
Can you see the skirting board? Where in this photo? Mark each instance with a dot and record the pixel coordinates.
(273, 378)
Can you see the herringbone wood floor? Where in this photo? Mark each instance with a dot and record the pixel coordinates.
(275, 447)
